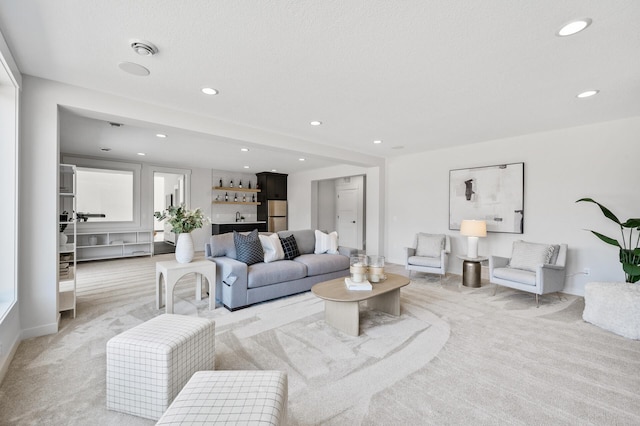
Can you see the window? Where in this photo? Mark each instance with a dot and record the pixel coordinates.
(8, 187)
(104, 195)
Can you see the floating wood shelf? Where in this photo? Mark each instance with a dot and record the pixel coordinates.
(247, 203)
(224, 188)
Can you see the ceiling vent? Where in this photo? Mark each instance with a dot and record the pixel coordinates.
(143, 48)
(115, 124)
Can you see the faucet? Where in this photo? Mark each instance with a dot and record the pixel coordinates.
(238, 216)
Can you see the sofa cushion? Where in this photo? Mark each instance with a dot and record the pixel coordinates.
(272, 247)
(223, 245)
(262, 274)
(290, 247)
(248, 247)
(318, 264)
(305, 239)
(528, 256)
(429, 245)
(326, 243)
(518, 275)
(432, 262)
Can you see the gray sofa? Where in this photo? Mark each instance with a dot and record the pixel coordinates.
(239, 285)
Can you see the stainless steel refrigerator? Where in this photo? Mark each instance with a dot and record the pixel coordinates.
(276, 215)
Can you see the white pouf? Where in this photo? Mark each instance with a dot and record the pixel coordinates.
(230, 398)
(148, 365)
(614, 307)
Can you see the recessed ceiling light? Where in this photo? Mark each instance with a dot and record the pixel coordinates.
(141, 153)
(244, 149)
(134, 69)
(377, 142)
(246, 167)
(273, 170)
(587, 94)
(300, 159)
(574, 27)
(105, 149)
(161, 135)
(315, 123)
(209, 91)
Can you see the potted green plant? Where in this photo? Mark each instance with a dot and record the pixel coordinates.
(182, 222)
(629, 249)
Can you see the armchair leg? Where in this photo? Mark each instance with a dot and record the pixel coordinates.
(559, 297)
(495, 289)
(537, 301)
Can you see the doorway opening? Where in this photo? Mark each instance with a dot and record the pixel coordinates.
(168, 190)
(340, 206)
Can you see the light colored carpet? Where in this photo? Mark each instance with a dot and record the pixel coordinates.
(455, 356)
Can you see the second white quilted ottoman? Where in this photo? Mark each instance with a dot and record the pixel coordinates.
(245, 397)
(148, 365)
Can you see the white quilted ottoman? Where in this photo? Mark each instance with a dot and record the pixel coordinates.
(149, 364)
(230, 398)
(614, 307)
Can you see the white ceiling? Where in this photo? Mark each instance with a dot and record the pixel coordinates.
(418, 74)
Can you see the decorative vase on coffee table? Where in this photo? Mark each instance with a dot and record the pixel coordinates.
(184, 248)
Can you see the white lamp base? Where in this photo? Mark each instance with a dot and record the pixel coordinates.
(472, 250)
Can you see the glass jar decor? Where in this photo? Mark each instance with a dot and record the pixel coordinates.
(376, 269)
(358, 268)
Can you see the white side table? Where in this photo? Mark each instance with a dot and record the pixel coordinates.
(173, 271)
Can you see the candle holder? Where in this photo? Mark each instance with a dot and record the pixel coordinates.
(358, 268)
(376, 269)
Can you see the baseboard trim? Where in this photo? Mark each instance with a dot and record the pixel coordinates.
(42, 330)
(6, 361)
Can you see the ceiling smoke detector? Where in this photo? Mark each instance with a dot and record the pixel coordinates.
(143, 48)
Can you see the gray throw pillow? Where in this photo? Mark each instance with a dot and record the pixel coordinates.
(429, 245)
(248, 247)
(528, 256)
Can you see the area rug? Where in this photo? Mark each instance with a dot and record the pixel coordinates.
(454, 356)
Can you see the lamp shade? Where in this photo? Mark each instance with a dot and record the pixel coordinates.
(473, 228)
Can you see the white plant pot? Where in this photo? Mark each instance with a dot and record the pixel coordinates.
(63, 239)
(184, 248)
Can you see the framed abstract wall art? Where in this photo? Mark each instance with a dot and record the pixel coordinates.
(494, 194)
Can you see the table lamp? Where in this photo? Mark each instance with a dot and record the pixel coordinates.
(473, 229)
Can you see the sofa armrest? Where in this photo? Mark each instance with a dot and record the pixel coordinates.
(551, 278)
(409, 251)
(497, 262)
(347, 251)
(231, 281)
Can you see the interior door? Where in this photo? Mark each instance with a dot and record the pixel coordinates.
(347, 207)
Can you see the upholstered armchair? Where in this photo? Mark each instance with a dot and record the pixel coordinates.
(429, 254)
(532, 267)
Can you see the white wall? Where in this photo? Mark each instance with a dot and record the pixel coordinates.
(598, 161)
(326, 209)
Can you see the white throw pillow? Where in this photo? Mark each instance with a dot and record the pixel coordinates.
(528, 256)
(326, 243)
(272, 247)
(430, 245)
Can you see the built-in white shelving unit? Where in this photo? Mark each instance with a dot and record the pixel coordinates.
(67, 239)
(113, 244)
